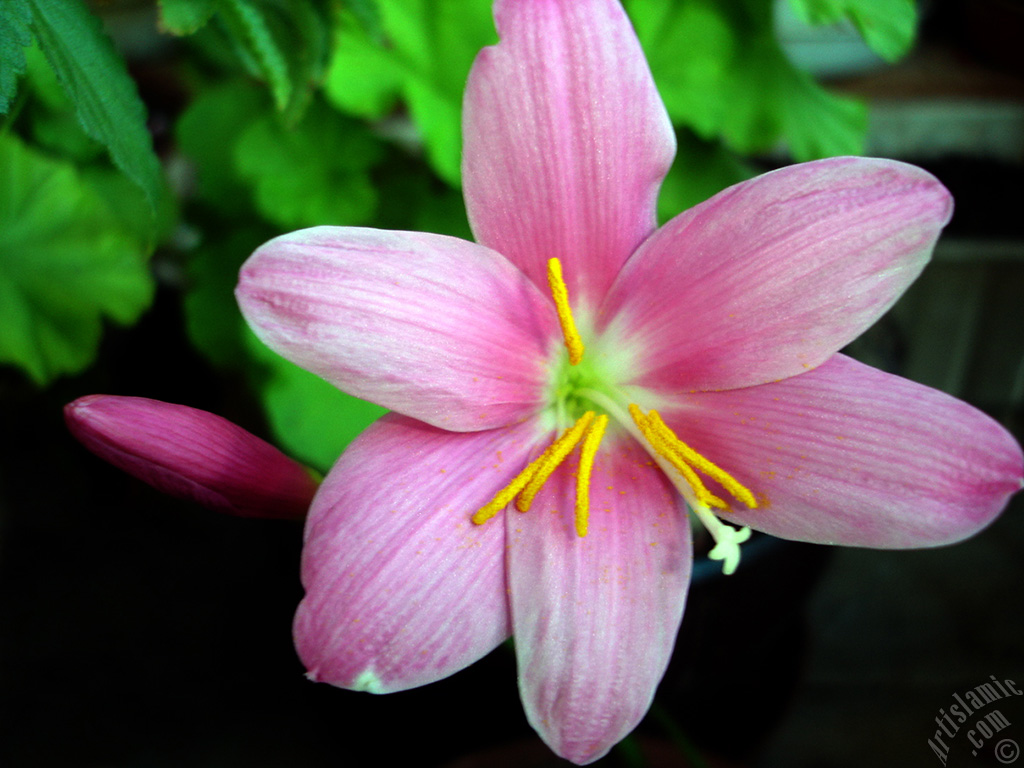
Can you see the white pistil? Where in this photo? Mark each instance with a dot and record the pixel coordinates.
(727, 539)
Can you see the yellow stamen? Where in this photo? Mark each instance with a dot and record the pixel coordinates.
(587, 453)
(681, 456)
(666, 450)
(549, 460)
(528, 483)
(504, 497)
(573, 342)
(536, 473)
(730, 483)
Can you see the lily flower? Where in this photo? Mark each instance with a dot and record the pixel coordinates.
(571, 389)
(192, 454)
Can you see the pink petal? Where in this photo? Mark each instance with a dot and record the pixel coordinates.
(434, 327)
(401, 587)
(847, 454)
(566, 141)
(192, 454)
(595, 618)
(772, 276)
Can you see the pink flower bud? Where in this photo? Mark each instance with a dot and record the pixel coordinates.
(192, 454)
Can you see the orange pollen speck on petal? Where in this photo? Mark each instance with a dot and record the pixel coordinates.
(528, 483)
(560, 294)
(688, 462)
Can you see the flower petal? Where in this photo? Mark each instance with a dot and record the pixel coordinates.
(192, 454)
(566, 141)
(847, 454)
(401, 587)
(431, 326)
(595, 618)
(773, 275)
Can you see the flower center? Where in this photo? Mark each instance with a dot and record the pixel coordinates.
(581, 391)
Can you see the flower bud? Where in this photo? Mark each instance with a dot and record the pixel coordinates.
(192, 454)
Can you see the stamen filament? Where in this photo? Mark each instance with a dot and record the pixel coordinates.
(560, 293)
(528, 483)
(667, 451)
(661, 440)
(587, 453)
(504, 497)
(544, 464)
(686, 453)
(548, 461)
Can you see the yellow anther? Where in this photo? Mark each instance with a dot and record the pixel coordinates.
(665, 450)
(528, 483)
(573, 342)
(730, 483)
(537, 471)
(587, 453)
(663, 440)
(504, 497)
(549, 460)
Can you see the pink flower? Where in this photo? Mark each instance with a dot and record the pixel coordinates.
(726, 322)
(193, 455)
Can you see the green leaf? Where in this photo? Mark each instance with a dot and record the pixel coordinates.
(286, 43)
(14, 38)
(42, 80)
(249, 22)
(424, 59)
(50, 114)
(820, 124)
(129, 206)
(770, 99)
(184, 17)
(209, 130)
(96, 79)
(367, 13)
(314, 173)
(887, 26)
(690, 47)
(439, 119)
(60, 133)
(312, 419)
(65, 263)
(364, 78)
(722, 74)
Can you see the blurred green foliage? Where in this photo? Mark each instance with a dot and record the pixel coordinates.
(65, 263)
(888, 26)
(306, 112)
(419, 55)
(96, 80)
(14, 37)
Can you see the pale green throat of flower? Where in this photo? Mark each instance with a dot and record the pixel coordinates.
(680, 463)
